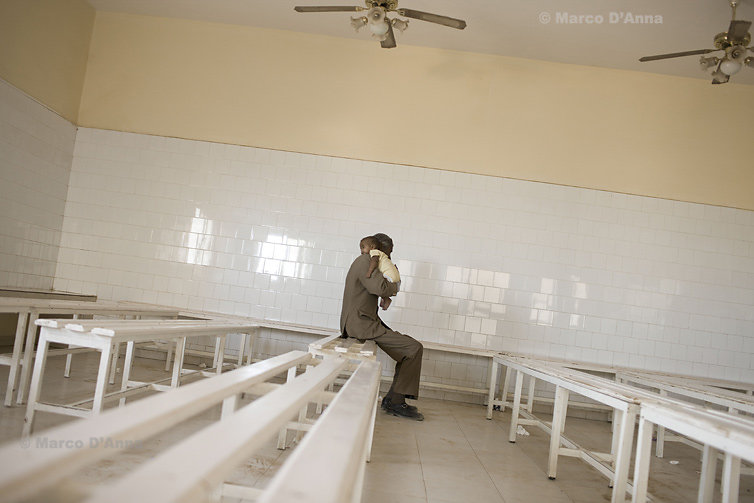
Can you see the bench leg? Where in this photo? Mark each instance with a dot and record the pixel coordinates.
(494, 367)
(516, 406)
(36, 385)
(558, 423)
(660, 446)
(731, 476)
(530, 402)
(168, 357)
(15, 362)
(707, 477)
(614, 438)
(180, 346)
(623, 456)
(114, 364)
(102, 378)
(230, 405)
(219, 354)
(31, 332)
(370, 435)
(504, 393)
(241, 349)
(641, 469)
(126, 370)
(252, 338)
(282, 436)
(69, 357)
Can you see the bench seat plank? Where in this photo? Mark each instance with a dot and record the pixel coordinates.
(179, 475)
(34, 468)
(304, 477)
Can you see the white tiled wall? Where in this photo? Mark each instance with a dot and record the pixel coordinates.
(36, 150)
(487, 262)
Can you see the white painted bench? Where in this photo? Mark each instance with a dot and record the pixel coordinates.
(178, 474)
(36, 467)
(625, 406)
(29, 309)
(605, 390)
(103, 335)
(719, 433)
(350, 348)
(734, 402)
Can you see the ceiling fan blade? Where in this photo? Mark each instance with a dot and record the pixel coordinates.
(329, 8)
(389, 42)
(459, 24)
(677, 54)
(738, 30)
(715, 81)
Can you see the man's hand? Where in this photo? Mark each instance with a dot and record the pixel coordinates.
(385, 303)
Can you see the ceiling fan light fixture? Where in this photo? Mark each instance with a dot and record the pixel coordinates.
(749, 61)
(707, 63)
(720, 76)
(400, 24)
(358, 23)
(730, 67)
(378, 23)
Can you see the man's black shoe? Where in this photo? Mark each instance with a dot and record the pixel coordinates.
(402, 410)
(385, 403)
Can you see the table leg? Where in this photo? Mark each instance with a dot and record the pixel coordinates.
(15, 362)
(36, 384)
(31, 332)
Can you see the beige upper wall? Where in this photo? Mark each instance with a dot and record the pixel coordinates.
(615, 130)
(44, 46)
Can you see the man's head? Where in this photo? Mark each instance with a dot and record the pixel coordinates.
(385, 243)
(368, 244)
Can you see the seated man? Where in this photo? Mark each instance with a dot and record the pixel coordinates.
(359, 319)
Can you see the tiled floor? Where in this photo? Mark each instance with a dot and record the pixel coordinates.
(454, 455)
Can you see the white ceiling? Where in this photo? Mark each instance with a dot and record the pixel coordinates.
(505, 27)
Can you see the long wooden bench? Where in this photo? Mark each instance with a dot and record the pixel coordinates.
(103, 336)
(719, 433)
(734, 402)
(179, 474)
(29, 309)
(615, 464)
(37, 467)
(607, 391)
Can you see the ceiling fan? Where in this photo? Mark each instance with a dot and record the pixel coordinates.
(382, 26)
(733, 42)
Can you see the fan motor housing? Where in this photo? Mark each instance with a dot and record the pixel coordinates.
(723, 42)
(388, 5)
